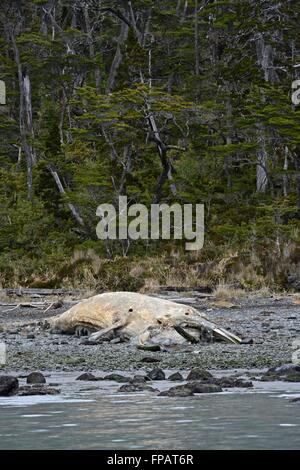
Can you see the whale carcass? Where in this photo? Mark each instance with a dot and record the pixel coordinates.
(138, 318)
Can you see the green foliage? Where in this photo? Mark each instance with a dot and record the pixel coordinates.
(95, 89)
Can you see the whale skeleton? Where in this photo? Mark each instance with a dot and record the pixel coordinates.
(138, 318)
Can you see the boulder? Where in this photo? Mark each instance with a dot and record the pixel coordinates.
(117, 378)
(177, 392)
(129, 388)
(285, 373)
(199, 374)
(149, 359)
(88, 377)
(230, 382)
(157, 374)
(26, 391)
(176, 377)
(197, 387)
(36, 378)
(149, 347)
(189, 389)
(139, 379)
(8, 385)
(295, 400)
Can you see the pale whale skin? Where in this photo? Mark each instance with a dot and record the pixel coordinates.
(139, 317)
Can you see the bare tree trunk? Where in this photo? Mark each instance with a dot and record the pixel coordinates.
(126, 163)
(134, 24)
(117, 58)
(298, 192)
(228, 158)
(265, 57)
(147, 28)
(297, 180)
(261, 167)
(285, 167)
(60, 187)
(197, 55)
(91, 47)
(25, 117)
(167, 168)
(167, 171)
(184, 11)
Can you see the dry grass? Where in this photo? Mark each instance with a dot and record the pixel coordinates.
(150, 285)
(227, 292)
(231, 273)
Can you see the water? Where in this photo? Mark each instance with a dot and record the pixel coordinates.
(93, 416)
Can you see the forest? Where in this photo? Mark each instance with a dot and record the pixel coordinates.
(173, 101)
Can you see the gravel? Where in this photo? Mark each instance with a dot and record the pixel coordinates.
(271, 322)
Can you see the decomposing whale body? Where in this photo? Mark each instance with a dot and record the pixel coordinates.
(140, 319)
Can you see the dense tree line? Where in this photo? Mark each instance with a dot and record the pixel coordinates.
(171, 101)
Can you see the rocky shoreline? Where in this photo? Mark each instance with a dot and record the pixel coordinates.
(195, 381)
(269, 325)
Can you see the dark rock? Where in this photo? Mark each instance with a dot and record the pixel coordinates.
(8, 385)
(56, 305)
(177, 392)
(157, 374)
(189, 390)
(129, 388)
(87, 377)
(199, 374)
(229, 382)
(54, 331)
(150, 347)
(117, 378)
(286, 373)
(139, 379)
(150, 359)
(268, 378)
(36, 378)
(294, 400)
(26, 391)
(293, 377)
(88, 342)
(247, 341)
(293, 281)
(176, 377)
(30, 336)
(88, 389)
(197, 387)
